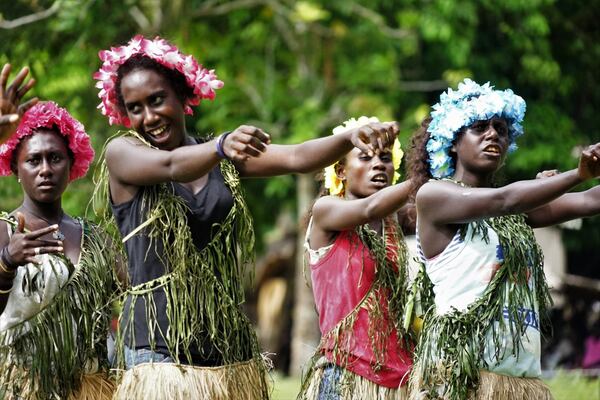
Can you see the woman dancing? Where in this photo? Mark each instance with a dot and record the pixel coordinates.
(188, 235)
(358, 260)
(481, 336)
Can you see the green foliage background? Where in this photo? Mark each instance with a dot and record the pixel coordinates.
(298, 68)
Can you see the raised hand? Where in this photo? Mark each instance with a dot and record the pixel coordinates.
(25, 246)
(589, 162)
(245, 142)
(10, 98)
(374, 137)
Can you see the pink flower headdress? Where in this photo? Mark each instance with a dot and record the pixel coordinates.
(204, 82)
(48, 114)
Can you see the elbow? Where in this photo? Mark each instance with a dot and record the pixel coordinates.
(372, 211)
(510, 204)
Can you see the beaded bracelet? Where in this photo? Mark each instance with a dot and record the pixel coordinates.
(7, 271)
(220, 141)
(3, 264)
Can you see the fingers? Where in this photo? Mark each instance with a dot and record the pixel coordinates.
(32, 253)
(27, 105)
(21, 92)
(41, 232)
(44, 243)
(589, 162)
(13, 88)
(20, 222)
(4, 78)
(376, 137)
(246, 141)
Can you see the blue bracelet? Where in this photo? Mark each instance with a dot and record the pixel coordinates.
(220, 141)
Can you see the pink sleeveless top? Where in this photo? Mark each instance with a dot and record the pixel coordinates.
(340, 280)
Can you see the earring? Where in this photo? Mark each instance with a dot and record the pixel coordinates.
(19, 180)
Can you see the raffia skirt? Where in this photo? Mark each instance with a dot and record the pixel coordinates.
(493, 387)
(95, 386)
(352, 387)
(169, 381)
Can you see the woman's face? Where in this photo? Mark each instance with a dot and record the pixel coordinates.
(365, 175)
(153, 108)
(482, 147)
(43, 165)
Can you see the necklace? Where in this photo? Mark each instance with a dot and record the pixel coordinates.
(57, 234)
(459, 183)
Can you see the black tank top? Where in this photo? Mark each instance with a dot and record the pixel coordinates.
(208, 206)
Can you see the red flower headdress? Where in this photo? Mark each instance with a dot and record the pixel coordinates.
(48, 114)
(204, 82)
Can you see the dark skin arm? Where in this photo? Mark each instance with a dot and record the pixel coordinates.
(332, 214)
(315, 154)
(149, 166)
(10, 98)
(441, 206)
(21, 249)
(567, 207)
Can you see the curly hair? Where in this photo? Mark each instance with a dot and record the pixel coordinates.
(174, 77)
(417, 159)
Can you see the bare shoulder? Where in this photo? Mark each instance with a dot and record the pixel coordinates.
(432, 192)
(325, 204)
(121, 144)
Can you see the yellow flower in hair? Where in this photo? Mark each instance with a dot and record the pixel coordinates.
(397, 155)
(331, 181)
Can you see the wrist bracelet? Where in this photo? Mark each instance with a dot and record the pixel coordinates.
(5, 264)
(220, 141)
(7, 271)
(6, 291)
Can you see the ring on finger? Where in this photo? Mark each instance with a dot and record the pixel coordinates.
(36, 251)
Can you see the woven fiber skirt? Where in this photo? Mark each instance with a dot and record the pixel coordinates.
(493, 387)
(351, 387)
(169, 381)
(95, 386)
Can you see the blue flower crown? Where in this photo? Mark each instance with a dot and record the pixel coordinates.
(459, 108)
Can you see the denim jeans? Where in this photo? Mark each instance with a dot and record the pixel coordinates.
(134, 357)
(329, 387)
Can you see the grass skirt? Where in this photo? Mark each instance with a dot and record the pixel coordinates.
(354, 387)
(493, 387)
(95, 386)
(169, 381)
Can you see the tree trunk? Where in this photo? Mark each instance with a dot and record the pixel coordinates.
(305, 330)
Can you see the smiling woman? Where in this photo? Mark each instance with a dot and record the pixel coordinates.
(177, 203)
(56, 271)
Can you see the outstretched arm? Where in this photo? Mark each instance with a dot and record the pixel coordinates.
(332, 214)
(318, 153)
(132, 163)
(443, 203)
(565, 208)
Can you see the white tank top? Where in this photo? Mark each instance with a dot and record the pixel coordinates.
(460, 274)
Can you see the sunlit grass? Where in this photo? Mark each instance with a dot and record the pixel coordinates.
(564, 386)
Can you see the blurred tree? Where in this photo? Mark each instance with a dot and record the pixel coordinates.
(298, 68)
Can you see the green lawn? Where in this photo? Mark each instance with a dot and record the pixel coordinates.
(565, 386)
